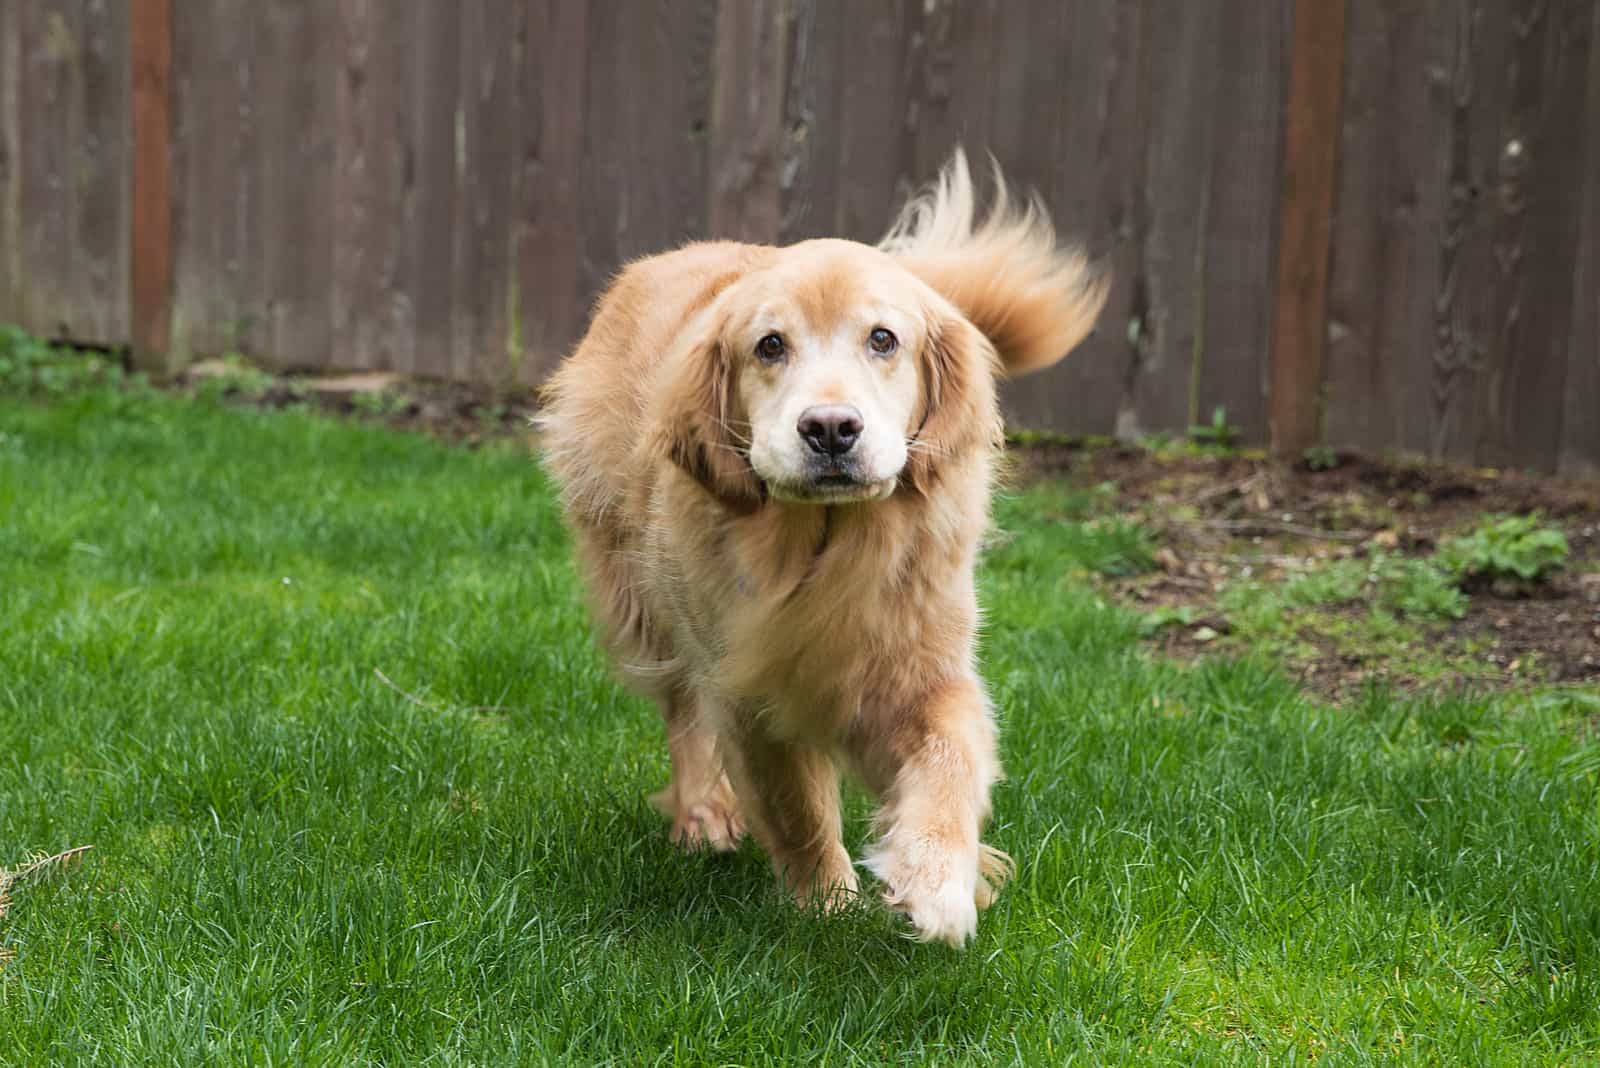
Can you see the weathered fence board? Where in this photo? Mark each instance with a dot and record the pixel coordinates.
(442, 188)
(65, 106)
(1385, 266)
(1580, 428)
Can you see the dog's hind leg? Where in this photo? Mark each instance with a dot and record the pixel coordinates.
(699, 802)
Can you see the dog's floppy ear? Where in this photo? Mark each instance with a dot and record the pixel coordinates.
(704, 434)
(957, 367)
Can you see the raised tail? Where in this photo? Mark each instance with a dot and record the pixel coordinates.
(1032, 299)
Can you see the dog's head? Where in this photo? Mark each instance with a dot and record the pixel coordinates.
(828, 374)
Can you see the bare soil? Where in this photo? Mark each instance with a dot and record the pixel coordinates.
(1227, 516)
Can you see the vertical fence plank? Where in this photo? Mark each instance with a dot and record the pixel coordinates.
(367, 316)
(1240, 239)
(487, 110)
(1181, 70)
(10, 162)
(49, 119)
(1309, 175)
(150, 42)
(1580, 426)
(647, 131)
(432, 170)
(808, 175)
(878, 94)
(1096, 193)
(1541, 185)
(1469, 309)
(295, 159)
(550, 286)
(221, 296)
(1391, 202)
(747, 120)
(101, 174)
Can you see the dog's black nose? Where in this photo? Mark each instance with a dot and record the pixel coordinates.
(830, 429)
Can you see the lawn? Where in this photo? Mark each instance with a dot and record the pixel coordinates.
(322, 698)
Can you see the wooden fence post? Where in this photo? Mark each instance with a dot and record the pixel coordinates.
(150, 267)
(1310, 173)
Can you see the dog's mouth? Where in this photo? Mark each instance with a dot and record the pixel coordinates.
(832, 487)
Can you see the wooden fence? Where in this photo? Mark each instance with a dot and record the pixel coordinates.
(1372, 223)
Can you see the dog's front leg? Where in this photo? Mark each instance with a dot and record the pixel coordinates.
(790, 796)
(934, 763)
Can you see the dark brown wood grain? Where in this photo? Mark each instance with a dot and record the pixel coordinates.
(488, 108)
(1095, 190)
(432, 174)
(808, 170)
(552, 296)
(1391, 203)
(1579, 452)
(11, 299)
(151, 267)
(1310, 160)
(1180, 70)
(1237, 283)
(220, 300)
(295, 159)
(49, 117)
(881, 94)
(747, 121)
(1542, 181)
(1487, 229)
(368, 316)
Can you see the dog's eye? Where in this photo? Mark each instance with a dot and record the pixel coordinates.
(770, 348)
(882, 341)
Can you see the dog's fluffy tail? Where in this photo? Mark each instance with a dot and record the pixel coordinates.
(1033, 300)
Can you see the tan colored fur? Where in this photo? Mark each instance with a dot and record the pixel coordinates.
(785, 637)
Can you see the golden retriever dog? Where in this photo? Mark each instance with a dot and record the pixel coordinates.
(776, 464)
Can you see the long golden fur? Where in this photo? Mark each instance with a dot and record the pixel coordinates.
(799, 595)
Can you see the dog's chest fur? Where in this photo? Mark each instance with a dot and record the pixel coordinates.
(817, 617)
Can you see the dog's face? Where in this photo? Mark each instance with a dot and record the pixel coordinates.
(825, 378)
(827, 345)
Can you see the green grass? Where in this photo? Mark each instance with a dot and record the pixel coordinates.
(294, 863)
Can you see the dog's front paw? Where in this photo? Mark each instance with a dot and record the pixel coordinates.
(939, 894)
(948, 913)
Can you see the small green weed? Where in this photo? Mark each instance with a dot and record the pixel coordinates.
(383, 403)
(1506, 549)
(1168, 615)
(1320, 458)
(1218, 434)
(31, 366)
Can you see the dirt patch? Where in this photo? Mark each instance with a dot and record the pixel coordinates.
(459, 412)
(1224, 520)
